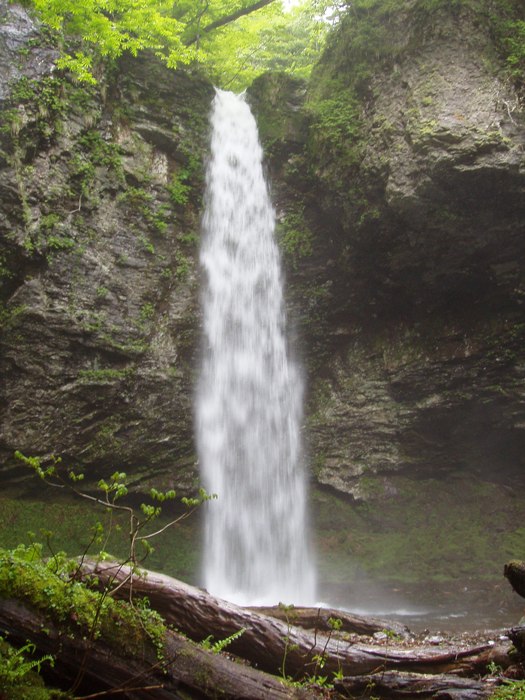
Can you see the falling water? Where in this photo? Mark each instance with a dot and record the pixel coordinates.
(249, 405)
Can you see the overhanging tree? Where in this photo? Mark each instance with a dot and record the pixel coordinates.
(217, 33)
(115, 26)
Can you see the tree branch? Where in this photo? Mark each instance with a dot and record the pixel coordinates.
(231, 18)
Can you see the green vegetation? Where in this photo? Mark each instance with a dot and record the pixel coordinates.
(115, 489)
(178, 190)
(507, 20)
(71, 521)
(413, 536)
(107, 375)
(183, 267)
(338, 119)
(147, 312)
(51, 588)
(25, 575)
(155, 216)
(10, 316)
(19, 679)
(101, 152)
(373, 33)
(38, 101)
(124, 26)
(221, 644)
(272, 40)
(294, 237)
(234, 40)
(51, 585)
(510, 691)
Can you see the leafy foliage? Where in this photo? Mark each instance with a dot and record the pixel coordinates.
(53, 587)
(237, 50)
(508, 23)
(16, 677)
(114, 489)
(274, 39)
(116, 26)
(221, 644)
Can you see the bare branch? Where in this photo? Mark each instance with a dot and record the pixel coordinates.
(173, 522)
(231, 18)
(122, 690)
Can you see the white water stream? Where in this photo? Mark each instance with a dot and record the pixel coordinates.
(249, 403)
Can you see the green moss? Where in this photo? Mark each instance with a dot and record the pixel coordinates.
(107, 375)
(429, 531)
(24, 576)
(294, 237)
(510, 691)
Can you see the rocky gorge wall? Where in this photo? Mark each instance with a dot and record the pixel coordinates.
(398, 176)
(425, 221)
(101, 191)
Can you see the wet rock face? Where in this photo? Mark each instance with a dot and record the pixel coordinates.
(22, 49)
(410, 296)
(403, 244)
(100, 190)
(278, 99)
(449, 139)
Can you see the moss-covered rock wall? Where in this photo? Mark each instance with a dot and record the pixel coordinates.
(403, 193)
(101, 190)
(398, 175)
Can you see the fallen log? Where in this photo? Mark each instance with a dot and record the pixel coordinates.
(319, 618)
(279, 647)
(410, 686)
(188, 672)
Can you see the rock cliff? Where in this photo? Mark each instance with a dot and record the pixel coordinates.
(398, 175)
(413, 222)
(100, 196)
(401, 197)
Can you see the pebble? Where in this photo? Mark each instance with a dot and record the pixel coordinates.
(380, 635)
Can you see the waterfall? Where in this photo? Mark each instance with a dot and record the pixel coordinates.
(249, 402)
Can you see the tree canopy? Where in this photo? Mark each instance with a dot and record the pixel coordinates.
(273, 39)
(234, 39)
(115, 26)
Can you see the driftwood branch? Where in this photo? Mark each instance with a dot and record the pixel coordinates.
(411, 686)
(189, 672)
(267, 641)
(312, 618)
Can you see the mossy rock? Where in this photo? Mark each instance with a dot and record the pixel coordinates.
(276, 99)
(514, 572)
